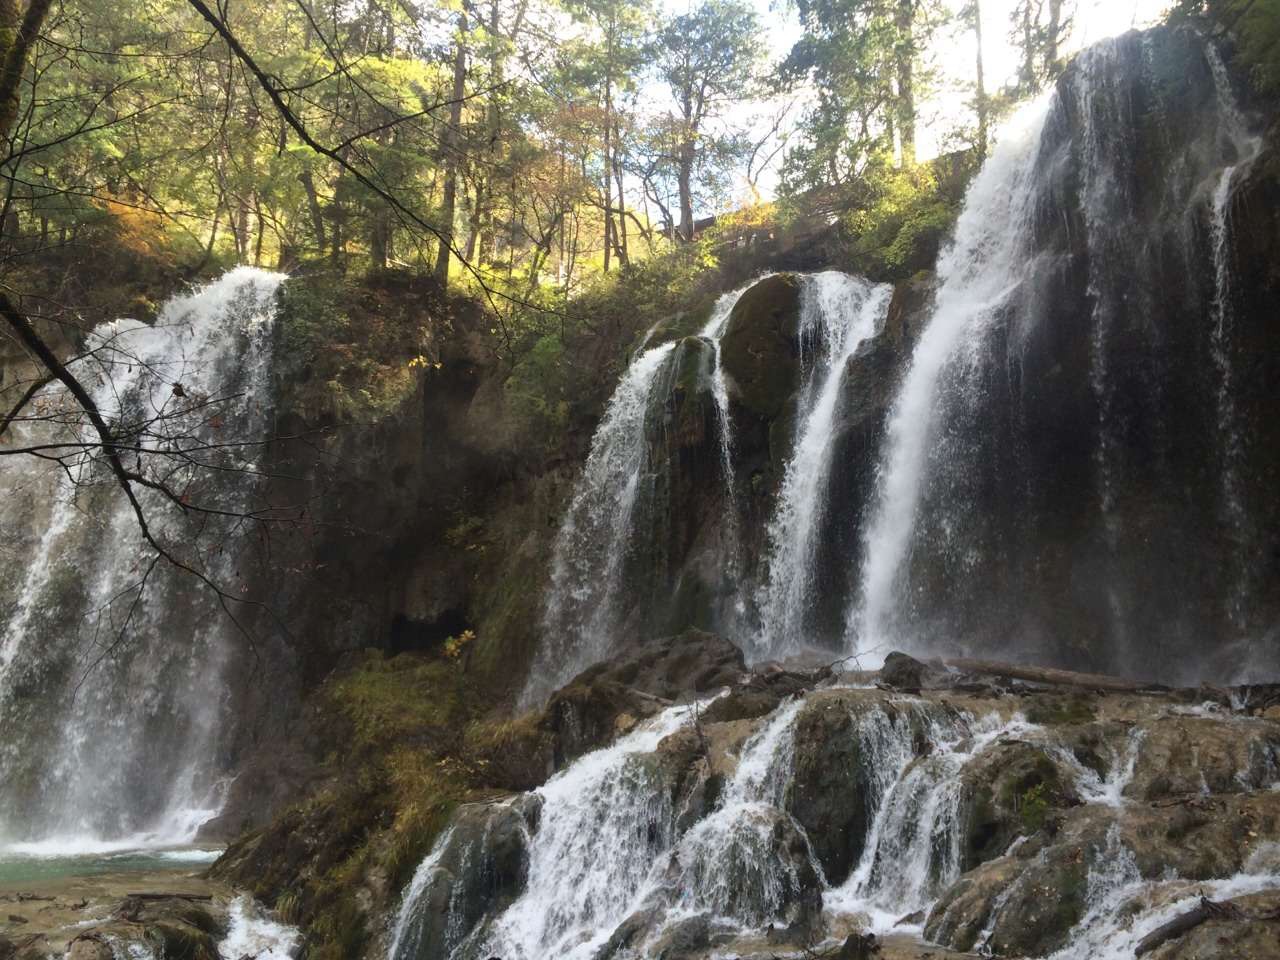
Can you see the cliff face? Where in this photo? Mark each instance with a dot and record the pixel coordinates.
(1095, 490)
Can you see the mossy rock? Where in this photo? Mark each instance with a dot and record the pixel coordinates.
(760, 348)
(685, 323)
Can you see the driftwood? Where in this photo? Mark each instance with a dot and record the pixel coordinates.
(1186, 922)
(1046, 675)
(168, 896)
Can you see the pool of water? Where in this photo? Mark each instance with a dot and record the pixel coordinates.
(18, 866)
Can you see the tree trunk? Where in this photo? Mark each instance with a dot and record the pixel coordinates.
(18, 32)
(981, 92)
(684, 181)
(623, 254)
(313, 205)
(1051, 64)
(905, 53)
(452, 145)
(1047, 675)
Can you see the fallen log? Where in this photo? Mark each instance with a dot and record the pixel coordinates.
(1186, 922)
(1047, 675)
(168, 896)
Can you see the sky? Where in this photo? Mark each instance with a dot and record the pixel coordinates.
(954, 58)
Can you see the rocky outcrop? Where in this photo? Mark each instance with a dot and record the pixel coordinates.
(610, 698)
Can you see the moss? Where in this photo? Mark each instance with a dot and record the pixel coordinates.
(759, 345)
(387, 699)
(355, 350)
(1050, 710)
(683, 323)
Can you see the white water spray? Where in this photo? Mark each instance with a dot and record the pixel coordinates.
(838, 313)
(978, 274)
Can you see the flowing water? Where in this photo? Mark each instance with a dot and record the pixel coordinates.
(110, 663)
(838, 312)
(1235, 130)
(977, 275)
(588, 594)
(986, 513)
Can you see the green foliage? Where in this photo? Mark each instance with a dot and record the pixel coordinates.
(898, 230)
(1254, 25)
(1033, 807)
(355, 350)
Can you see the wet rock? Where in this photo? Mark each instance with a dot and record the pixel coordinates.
(681, 940)
(760, 346)
(1191, 755)
(89, 947)
(831, 791)
(1032, 899)
(859, 946)
(480, 871)
(1011, 789)
(963, 910)
(1253, 935)
(583, 715)
(904, 673)
(629, 933)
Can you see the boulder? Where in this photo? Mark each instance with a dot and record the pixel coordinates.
(583, 715)
(833, 785)
(760, 346)
(1181, 755)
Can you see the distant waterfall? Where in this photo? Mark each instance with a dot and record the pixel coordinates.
(110, 690)
(977, 275)
(838, 312)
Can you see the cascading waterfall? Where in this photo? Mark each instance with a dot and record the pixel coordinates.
(591, 545)
(1235, 130)
(977, 274)
(598, 533)
(604, 823)
(109, 669)
(727, 863)
(1032, 490)
(838, 312)
(913, 845)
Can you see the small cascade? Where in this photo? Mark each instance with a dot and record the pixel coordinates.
(913, 846)
(1122, 908)
(604, 824)
(1107, 789)
(728, 866)
(838, 312)
(251, 933)
(113, 727)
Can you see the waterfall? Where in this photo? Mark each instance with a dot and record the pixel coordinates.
(727, 864)
(838, 312)
(1235, 130)
(712, 332)
(591, 545)
(913, 845)
(605, 825)
(1046, 467)
(977, 275)
(600, 529)
(110, 690)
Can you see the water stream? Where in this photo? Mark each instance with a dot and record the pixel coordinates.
(110, 666)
